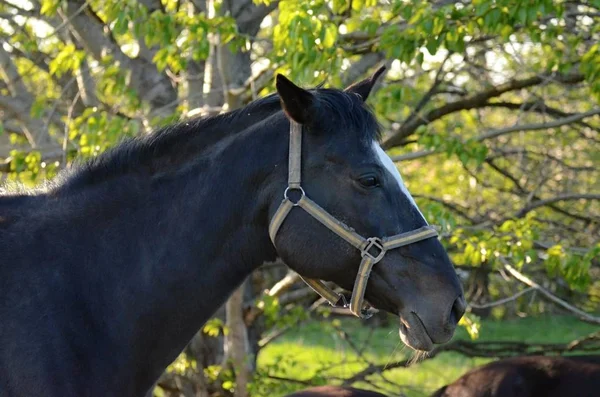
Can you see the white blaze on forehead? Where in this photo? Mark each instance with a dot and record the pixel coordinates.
(387, 162)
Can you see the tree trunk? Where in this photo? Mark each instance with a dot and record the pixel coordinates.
(236, 342)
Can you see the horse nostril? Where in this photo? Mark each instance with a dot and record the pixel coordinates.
(458, 309)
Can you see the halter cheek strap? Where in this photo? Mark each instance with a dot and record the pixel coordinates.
(372, 249)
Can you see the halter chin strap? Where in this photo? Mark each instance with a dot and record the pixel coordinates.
(372, 249)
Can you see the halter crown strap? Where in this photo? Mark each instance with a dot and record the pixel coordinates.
(295, 156)
(372, 249)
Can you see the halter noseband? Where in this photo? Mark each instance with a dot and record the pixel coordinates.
(372, 249)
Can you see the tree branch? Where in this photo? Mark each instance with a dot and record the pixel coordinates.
(502, 301)
(473, 101)
(489, 349)
(462, 211)
(47, 156)
(13, 78)
(248, 15)
(503, 131)
(535, 106)
(279, 288)
(74, 13)
(21, 10)
(151, 6)
(520, 151)
(583, 316)
(151, 85)
(538, 126)
(20, 109)
(298, 381)
(430, 93)
(360, 67)
(562, 197)
(523, 190)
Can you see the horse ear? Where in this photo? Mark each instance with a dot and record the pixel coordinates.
(296, 102)
(363, 88)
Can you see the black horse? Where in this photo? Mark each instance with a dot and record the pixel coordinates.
(529, 376)
(108, 273)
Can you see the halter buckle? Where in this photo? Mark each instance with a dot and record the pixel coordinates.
(373, 242)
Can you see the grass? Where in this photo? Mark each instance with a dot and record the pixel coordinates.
(317, 350)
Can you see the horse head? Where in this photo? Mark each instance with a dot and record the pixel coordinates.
(359, 226)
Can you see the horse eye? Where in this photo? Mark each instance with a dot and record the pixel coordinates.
(369, 181)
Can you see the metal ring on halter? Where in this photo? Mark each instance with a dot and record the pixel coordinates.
(287, 189)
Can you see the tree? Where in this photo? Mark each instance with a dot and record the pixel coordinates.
(491, 109)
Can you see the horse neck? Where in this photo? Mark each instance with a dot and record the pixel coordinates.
(191, 239)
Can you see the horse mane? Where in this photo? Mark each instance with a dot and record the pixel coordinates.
(167, 146)
(175, 144)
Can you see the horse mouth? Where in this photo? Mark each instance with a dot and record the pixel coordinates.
(414, 334)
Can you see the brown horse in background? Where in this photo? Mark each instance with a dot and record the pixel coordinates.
(530, 376)
(525, 376)
(335, 391)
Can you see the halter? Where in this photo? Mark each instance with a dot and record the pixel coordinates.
(372, 249)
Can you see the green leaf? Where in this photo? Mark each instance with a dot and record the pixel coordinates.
(522, 15)
(121, 23)
(38, 107)
(339, 6)
(213, 327)
(330, 36)
(50, 7)
(228, 385)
